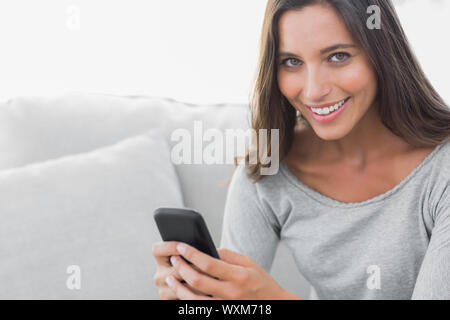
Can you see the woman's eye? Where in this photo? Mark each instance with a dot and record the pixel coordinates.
(339, 57)
(295, 63)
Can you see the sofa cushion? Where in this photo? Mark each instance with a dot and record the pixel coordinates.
(92, 210)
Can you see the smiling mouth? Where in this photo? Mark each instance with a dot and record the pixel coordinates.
(327, 109)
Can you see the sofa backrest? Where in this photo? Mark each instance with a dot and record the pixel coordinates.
(37, 129)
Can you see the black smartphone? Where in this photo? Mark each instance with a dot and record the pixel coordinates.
(185, 225)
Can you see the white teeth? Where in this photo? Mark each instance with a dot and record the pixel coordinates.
(330, 109)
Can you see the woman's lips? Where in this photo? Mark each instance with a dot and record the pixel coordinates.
(331, 116)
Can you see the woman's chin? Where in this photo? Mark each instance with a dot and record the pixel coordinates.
(330, 134)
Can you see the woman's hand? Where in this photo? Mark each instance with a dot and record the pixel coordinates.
(162, 252)
(233, 277)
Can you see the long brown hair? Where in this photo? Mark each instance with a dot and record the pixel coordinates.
(408, 104)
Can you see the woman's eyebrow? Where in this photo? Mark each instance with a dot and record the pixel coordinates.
(323, 51)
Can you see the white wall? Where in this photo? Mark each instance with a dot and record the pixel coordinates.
(196, 50)
(427, 25)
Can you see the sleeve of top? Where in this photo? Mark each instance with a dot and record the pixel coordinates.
(433, 281)
(247, 228)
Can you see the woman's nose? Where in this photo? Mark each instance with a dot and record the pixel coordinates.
(316, 87)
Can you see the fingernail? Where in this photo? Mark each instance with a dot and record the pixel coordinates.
(170, 281)
(173, 260)
(181, 247)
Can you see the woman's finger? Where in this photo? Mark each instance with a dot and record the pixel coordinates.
(214, 267)
(197, 292)
(160, 281)
(165, 293)
(163, 250)
(183, 292)
(201, 282)
(175, 273)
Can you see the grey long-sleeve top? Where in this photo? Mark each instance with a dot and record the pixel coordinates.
(393, 246)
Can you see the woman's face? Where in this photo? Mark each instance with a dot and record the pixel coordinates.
(313, 74)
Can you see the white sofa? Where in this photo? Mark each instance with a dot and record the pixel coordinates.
(80, 177)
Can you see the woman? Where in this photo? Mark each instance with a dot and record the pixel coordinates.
(362, 197)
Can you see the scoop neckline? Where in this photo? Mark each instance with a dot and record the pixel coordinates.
(336, 203)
